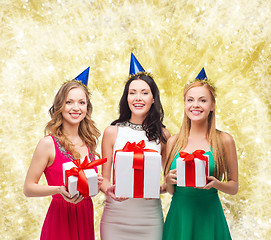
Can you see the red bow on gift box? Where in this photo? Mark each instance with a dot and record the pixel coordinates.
(138, 149)
(82, 184)
(190, 165)
(138, 165)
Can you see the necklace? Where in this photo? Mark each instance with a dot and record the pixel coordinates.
(134, 126)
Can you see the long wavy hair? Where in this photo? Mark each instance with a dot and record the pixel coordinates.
(86, 130)
(213, 136)
(153, 123)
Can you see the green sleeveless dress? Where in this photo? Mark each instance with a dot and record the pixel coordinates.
(196, 214)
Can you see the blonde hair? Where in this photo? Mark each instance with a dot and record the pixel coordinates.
(213, 135)
(87, 130)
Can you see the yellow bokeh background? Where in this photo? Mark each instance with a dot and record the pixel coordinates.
(44, 43)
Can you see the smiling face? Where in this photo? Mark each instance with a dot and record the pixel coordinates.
(75, 107)
(198, 103)
(140, 99)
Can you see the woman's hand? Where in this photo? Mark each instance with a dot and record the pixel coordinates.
(212, 183)
(231, 185)
(163, 188)
(111, 192)
(171, 180)
(100, 180)
(171, 177)
(67, 196)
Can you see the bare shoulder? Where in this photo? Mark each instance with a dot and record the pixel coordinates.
(46, 142)
(111, 131)
(226, 138)
(166, 133)
(171, 141)
(110, 135)
(173, 138)
(45, 149)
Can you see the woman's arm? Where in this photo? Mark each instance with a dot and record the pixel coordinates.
(170, 178)
(108, 141)
(231, 186)
(164, 145)
(43, 157)
(163, 153)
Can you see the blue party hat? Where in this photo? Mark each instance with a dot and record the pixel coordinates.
(135, 66)
(201, 75)
(83, 77)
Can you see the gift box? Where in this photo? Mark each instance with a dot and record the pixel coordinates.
(79, 176)
(137, 171)
(192, 169)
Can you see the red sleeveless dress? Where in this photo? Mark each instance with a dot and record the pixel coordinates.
(66, 220)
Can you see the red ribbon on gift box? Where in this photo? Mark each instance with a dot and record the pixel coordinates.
(78, 171)
(190, 178)
(138, 165)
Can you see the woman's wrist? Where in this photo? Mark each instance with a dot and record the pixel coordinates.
(163, 188)
(58, 190)
(108, 189)
(104, 187)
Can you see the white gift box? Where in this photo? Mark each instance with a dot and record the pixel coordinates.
(124, 174)
(91, 176)
(200, 170)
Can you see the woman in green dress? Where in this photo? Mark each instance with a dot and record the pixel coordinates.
(196, 213)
